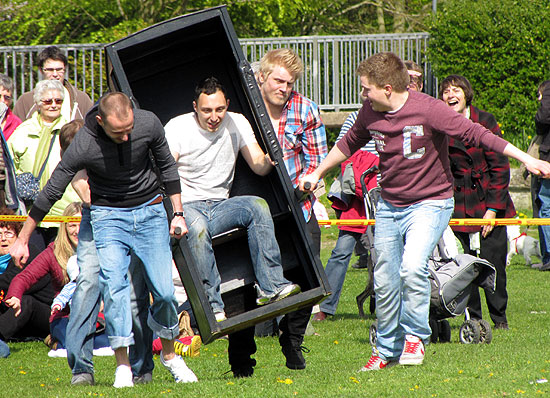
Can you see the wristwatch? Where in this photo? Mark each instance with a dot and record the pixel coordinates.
(178, 214)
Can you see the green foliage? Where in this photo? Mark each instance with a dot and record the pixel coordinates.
(502, 47)
(24, 22)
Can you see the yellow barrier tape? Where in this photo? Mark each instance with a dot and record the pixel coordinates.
(453, 222)
(355, 222)
(47, 218)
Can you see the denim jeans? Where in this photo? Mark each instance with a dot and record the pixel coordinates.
(85, 307)
(142, 231)
(544, 212)
(207, 218)
(336, 268)
(404, 239)
(85, 301)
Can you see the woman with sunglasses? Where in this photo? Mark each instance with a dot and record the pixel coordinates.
(35, 143)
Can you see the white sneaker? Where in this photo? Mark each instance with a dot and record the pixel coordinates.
(179, 369)
(413, 351)
(123, 377)
(59, 353)
(103, 352)
(287, 291)
(220, 316)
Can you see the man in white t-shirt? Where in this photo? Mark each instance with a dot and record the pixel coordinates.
(205, 144)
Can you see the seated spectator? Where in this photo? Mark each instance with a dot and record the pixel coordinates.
(58, 327)
(52, 261)
(205, 145)
(32, 322)
(35, 143)
(52, 65)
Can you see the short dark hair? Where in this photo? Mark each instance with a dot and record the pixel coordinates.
(542, 87)
(67, 133)
(458, 81)
(209, 86)
(52, 52)
(385, 68)
(114, 103)
(13, 225)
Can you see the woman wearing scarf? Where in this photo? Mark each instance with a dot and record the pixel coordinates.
(30, 147)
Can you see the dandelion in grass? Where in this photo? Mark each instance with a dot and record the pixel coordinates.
(353, 380)
(520, 392)
(230, 383)
(336, 342)
(284, 381)
(460, 371)
(22, 372)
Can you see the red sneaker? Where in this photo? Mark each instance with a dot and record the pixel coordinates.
(376, 363)
(413, 351)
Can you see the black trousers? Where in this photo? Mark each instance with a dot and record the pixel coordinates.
(33, 321)
(292, 326)
(493, 249)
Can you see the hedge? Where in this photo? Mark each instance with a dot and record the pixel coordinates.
(503, 48)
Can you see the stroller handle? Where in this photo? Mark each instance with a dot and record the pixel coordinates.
(371, 170)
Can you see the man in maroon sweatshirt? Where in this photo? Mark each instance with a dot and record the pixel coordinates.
(411, 131)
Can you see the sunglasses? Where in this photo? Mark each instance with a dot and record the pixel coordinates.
(51, 101)
(51, 70)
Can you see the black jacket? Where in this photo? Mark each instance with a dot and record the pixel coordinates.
(542, 124)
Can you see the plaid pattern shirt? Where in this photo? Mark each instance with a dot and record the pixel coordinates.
(481, 177)
(303, 141)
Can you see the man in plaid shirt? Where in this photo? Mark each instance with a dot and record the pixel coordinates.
(302, 136)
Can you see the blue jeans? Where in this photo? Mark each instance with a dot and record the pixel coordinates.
(336, 268)
(404, 239)
(85, 307)
(207, 218)
(143, 232)
(544, 212)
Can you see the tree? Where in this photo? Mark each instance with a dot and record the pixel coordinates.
(24, 22)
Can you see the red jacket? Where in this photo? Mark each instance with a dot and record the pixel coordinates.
(361, 160)
(12, 122)
(481, 177)
(45, 263)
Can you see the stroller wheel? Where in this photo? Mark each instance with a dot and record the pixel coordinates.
(486, 333)
(372, 333)
(434, 325)
(444, 331)
(470, 332)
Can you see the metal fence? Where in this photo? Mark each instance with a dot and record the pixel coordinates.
(330, 64)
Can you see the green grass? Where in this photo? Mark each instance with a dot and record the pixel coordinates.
(508, 367)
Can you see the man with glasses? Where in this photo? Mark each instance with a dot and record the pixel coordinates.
(52, 64)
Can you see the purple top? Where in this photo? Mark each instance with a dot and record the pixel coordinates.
(413, 146)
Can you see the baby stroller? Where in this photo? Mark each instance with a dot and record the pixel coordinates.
(370, 199)
(451, 279)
